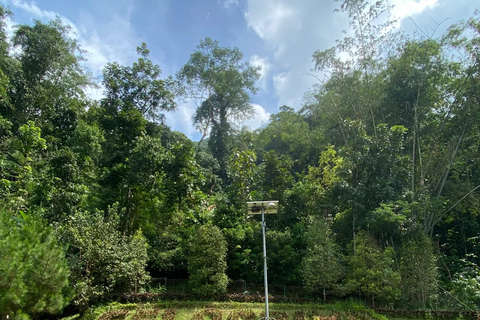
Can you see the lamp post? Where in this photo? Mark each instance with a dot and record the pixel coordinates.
(264, 207)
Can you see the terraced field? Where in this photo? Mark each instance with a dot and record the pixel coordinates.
(223, 311)
(211, 314)
(194, 310)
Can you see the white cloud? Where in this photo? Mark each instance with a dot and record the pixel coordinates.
(407, 8)
(94, 93)
(280, 83)
(267, 18)
(228, 4)
(260, 118)
(107, 41)
(9, 27)
(265, 66)
(34, 10)
(291, 32)
(181, 119)
(290, 87)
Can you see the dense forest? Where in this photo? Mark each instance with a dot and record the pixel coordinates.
(377, 175)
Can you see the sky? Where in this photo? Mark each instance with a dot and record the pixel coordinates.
(278, 35)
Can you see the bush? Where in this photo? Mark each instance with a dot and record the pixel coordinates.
(212, 313)
(33, 268)
(169, 314)
(206, 262)
(242, 315)
(102, 259)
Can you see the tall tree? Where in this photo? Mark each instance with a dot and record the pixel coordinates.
(138, 87)
(289, 135)
(221, 84)
(133, 96)
(370, 24)
(50, 79)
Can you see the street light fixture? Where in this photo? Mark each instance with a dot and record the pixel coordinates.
(263, 207)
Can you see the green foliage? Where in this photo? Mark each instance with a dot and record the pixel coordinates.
(242, 174)
(386, 144)
(387, 222)
(101, 259)
(275, 176)
(222, 83)
(138, 87)
(283, 256)
(419, 271)
(20, 161)
(33, 267)
(289, 135)
(466, 286)
(49, 79)
(371, 271)
(322, 265)
(244, 257)
(206, 261)
(319, 183)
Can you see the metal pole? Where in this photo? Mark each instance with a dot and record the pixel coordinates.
(267, 315)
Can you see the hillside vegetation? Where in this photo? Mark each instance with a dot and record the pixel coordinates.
(377, 174)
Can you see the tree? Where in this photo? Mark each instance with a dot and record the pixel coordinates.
(242, 172)
(319, 183)
(133, 96)
(275, 177)
(322, 265)
(138, 87)
(374, 171)
(49, 79)
(206, 261)
(283, 256)
(101, 259)
(356, 75)
(466, 286)
(21, 166)
(33, 267)
(371, 271)
(419, 271)
(221, 83)
(289, 135)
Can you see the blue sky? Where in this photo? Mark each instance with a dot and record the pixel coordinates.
(279, 35)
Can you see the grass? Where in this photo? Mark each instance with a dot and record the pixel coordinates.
(186, 310)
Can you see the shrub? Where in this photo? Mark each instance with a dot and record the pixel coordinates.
(277, 315)
(169, 314)
(146, 314)
(33, 268)
(114, 315)
(212, 313)
(242, 315)
(207, 261)
(102, 259)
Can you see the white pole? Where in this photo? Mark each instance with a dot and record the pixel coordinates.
(267, 315)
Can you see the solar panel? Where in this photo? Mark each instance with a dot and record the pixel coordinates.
(269, 207)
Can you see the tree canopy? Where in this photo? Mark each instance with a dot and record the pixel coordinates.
(377, 174)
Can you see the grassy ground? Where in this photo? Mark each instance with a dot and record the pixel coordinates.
(192, 310)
